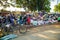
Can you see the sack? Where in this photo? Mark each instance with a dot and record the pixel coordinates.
(39, 23)
(31, 21)
(35, 23)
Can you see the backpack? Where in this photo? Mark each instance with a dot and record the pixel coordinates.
(24, 19)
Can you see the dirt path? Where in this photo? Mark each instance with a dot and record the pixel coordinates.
(46, 32)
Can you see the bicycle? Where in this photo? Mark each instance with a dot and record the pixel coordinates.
(2, 30)
(22, 28)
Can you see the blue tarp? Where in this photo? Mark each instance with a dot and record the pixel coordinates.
(7, 37)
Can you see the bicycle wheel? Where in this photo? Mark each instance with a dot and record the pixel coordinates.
(22, 29)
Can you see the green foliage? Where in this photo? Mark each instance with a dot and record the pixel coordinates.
(6, 3)
(46, 5)
(35, 4)
(57, 8)
(32, 5)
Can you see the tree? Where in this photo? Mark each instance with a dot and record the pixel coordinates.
(5, 4)
(57, 8)
(20, 3)
(35, 4)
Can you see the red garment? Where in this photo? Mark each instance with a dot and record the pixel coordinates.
(28, 20)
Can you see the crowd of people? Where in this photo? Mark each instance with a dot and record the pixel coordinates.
(27, 19)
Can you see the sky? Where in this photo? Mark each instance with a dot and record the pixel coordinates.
(53, 3)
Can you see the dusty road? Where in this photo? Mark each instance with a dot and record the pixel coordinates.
(45, 32)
